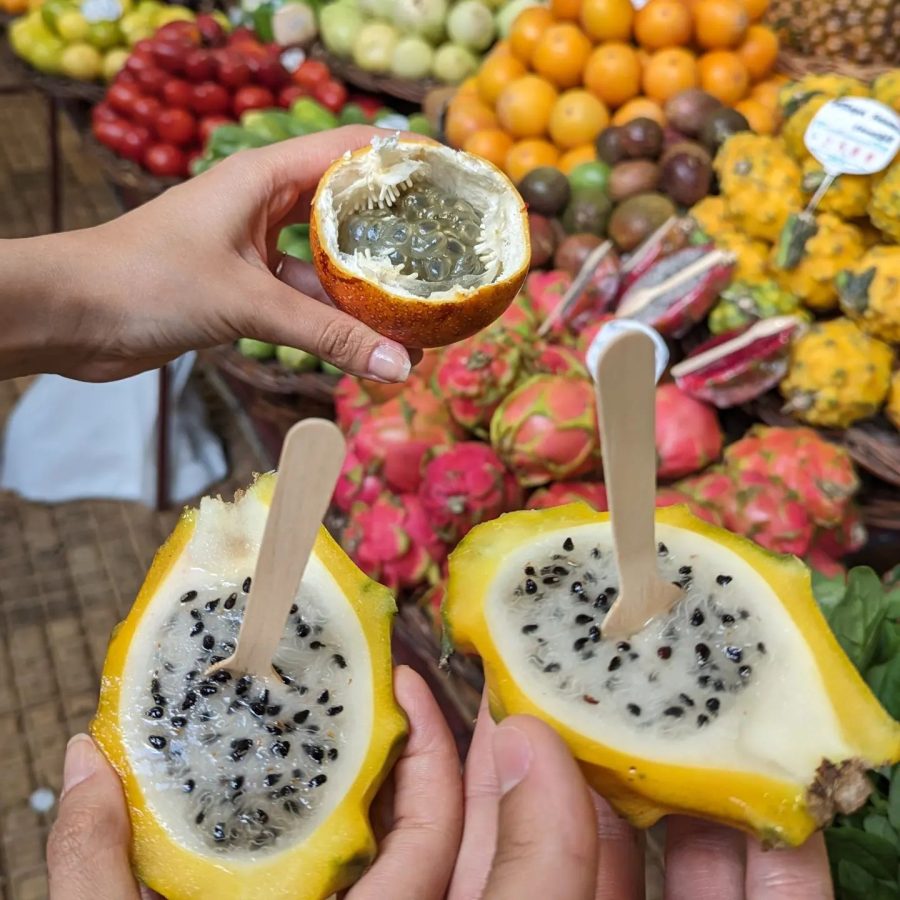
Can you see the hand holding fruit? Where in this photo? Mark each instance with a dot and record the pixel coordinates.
(191, 269)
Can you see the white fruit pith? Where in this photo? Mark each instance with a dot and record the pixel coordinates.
(301, 740)
(382, 178)
(725, 680)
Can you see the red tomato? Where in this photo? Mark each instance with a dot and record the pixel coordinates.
(310, 73)
(369, 105)
(331, 94)
(109, 133)
(271, 74)
(181, 29)
(178, 94)
(126, 78)
(209, 98)
(175, 126)
(145, 46)
(139, 60)
(165, 160)
(121, 97)
(199, 65)
(208, 124)
(287, 95)
(134, 142)
(242, 34)
(252, 98)
(153, 80)
(211, 31)
(170, 54)
(144, 110)
(231, 68)
(103, 112)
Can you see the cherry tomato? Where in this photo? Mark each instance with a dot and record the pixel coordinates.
(199, 65)
(252, 98)
(176, 126)
(144, 110)
(209, 98)
(103, 112)
(180, 29)
(165, 160)
(310, 73)
(331, 94)
(287, 95)
(211, 31)
(231, 68)
(171, 54)
(134, 142)
(109, 133)
(121, 97)
(178, 94)
(369, 105)
(208, 124)
(153, 80)
(138, 61)
(271, 74)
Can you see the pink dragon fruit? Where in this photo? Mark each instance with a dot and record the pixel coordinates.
(352, 404)
(355, 484)
(393, 441)
(819, 472)
(519, 317)
(392, 541)
(585, 337)
(465, 485)
(825, 565)
(546, 430)
(670, 496)
(555, 359)
(847, 537)
(420, 375)
(591, 492)
(708, 494)
(545, 290)
(688, 436)
(475, 375)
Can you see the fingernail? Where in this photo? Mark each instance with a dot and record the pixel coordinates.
(81, 761)
(512, 756)
(389, 363)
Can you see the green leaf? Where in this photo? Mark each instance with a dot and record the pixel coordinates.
(853, 881)
(888, 641)
(828, 591)
(879, 825)
(884, 680)
(894, 800)
(875, 854)
(856, 620)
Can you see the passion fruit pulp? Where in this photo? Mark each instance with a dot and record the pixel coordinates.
(425, 244)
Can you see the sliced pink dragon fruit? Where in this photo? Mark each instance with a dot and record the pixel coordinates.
(465, 485)
(355, 484)
(673, 235)
(392, 541)
(736, 367)
(476, 374)
(679, 290)
(688, 436)
(562, 492)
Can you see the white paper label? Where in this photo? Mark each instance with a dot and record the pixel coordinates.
(613, 329)
(101, 10)
(292, 59)
(854, 136)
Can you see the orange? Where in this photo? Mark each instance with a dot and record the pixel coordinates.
(561, 54)
(766, 92)
(575, 157)
(663, 23)
(723, 75)
(501, 48)
(668, 72)
(640, 107)
(613, 73)
(759, 51)
(528, 155)
(496, 72)
(491, 144)
(762, 119)
(465, 116)
(524, 106)
(468, 88)
(607, 20)
(720, 24)
(577, 118)
(756, 9)
(566, 9)
(527, 29)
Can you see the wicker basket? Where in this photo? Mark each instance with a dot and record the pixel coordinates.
(796, 66)
(398, 88)
(61, 88)
(127, 175)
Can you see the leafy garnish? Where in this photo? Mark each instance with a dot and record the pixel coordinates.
(864, 848)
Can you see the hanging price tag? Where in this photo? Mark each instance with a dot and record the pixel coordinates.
(101, 10)
(853, 136)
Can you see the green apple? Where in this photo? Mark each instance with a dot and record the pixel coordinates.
(113, 62)
(52, 10)
(45, 55)
(412, 58)
(105, 35)
(254, 349)
(296, 360)
(81, 61)
(136, 25)
(72, 26)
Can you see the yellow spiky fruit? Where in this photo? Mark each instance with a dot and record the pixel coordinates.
(870, 293)
(711, 215)
(837, 375)
(831, 85)
(752, 256)
(847, 197)
(884, 206)
(886, 88)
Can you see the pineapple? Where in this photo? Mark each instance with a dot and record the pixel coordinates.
(848, 195)
(870, 293)
(809, 270)
(857, 31)
(886, 88)
(760, 183)
(837, 375)
(884, 207)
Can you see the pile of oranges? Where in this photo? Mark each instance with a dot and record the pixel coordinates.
(568, 70)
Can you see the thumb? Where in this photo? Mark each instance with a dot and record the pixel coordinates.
(87, 853)
(547, 834)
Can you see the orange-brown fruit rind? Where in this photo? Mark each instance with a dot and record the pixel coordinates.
(400, 306)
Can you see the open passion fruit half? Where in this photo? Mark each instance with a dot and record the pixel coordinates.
(425, 244)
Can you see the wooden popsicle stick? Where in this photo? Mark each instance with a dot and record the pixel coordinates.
(310, 463)
(625, 390)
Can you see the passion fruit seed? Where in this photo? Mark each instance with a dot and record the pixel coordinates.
(427, 233)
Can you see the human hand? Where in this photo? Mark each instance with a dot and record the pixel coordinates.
(420, 809)
(189, 270)
(533, 828)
